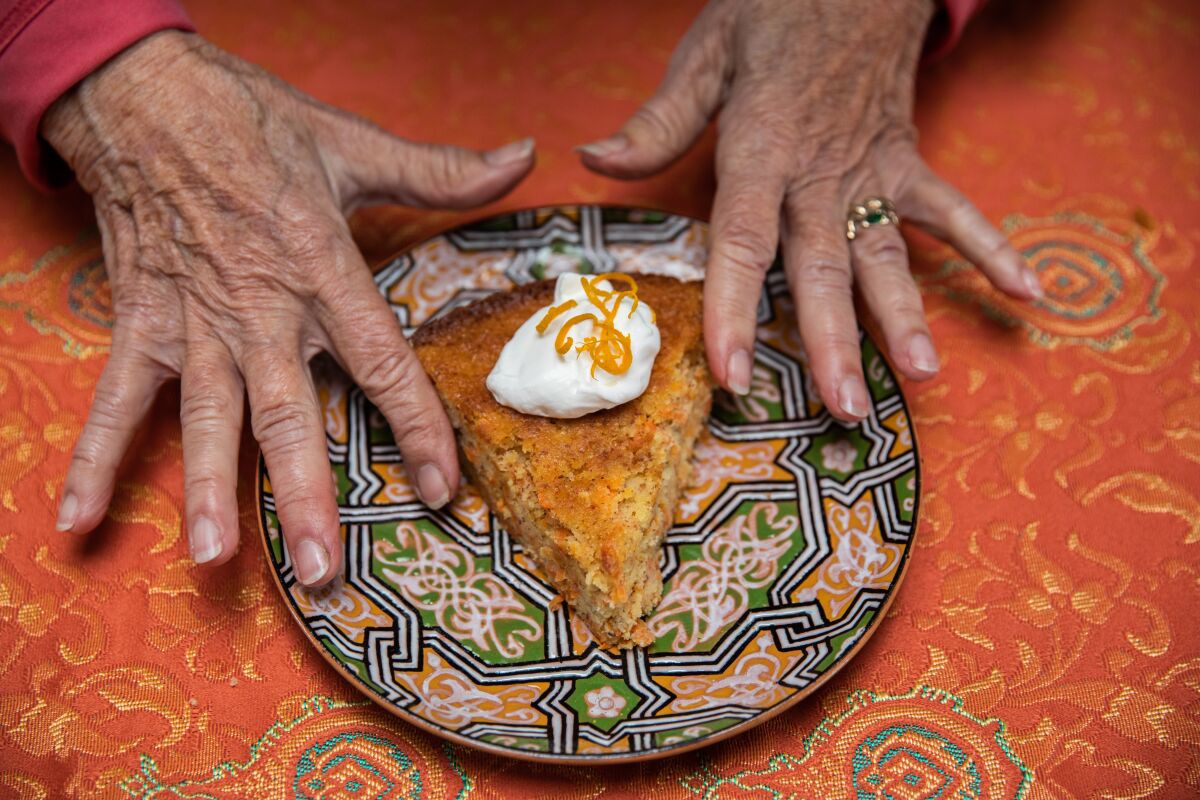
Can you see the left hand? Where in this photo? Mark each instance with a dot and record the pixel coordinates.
(220, 195)
(816, 102)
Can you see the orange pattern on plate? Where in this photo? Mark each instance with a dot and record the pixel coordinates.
(1055, 579)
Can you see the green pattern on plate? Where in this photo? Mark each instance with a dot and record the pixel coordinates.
(787, 546)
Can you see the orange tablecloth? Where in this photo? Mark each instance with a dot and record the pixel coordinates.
(1047, 628)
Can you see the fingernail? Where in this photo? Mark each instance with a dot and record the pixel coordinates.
(206, 540)
(311, 560)
(513, 151)
(605, 147)
(922, 355)
(432, 486)
(1035, 286)
(852, 397)
(67, 512)
(737, 372)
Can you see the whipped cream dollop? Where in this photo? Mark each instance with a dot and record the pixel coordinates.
(532, 377)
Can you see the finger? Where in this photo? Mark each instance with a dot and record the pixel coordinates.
(946, 213)
(370, 344)
(211, 415)
(124, 393)
(817, 261)
(669, 123)
(881, 271)
(745, 237)
(287, 424)
(379, 167)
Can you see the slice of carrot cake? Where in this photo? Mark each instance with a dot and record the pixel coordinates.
(588, 490)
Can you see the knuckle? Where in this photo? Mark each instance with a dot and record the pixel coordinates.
(265, 341)
(421, 425)
(386, 374)
(256, 281)
(268, 269)
(278, 423)
(745, 247)
(315, 240)
(145, 325)
(901, 167)
(90, 455)
(842, 339)
(660, 120)
(445, 170)
(111, 409)
(342, 299)
(825, 274)
(137, 311)
(757, 131)
(765, 155)
(204, 409)
(1001, 251)
(203, 482)
(894, 296)
(882, 248)
(956, 207)
(449, 163)
(902, 306)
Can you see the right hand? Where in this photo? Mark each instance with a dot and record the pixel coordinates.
(815, 114)
(220, 194)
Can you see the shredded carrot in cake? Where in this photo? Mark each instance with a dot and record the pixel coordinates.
(611, 350)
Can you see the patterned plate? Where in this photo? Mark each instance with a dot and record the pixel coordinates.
(785, 554)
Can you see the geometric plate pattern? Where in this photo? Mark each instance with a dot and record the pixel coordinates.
(784, 555)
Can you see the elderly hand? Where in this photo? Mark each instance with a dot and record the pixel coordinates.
(816, 115)
(220, 194)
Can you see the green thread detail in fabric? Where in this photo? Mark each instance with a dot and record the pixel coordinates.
(42, 325)
(146, 784)
(309, 775)
(706, 784)
(84, 237)
(862, 761)
(1114, 340)
(452, 757)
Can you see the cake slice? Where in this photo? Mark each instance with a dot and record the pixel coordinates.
(590, 499)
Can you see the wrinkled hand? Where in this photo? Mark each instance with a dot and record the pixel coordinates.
(816, 115)
(220, 194)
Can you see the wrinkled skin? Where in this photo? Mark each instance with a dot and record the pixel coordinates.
(815, 100)
(220, 194)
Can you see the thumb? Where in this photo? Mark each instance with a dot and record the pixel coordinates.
(373, 166)
(663, 129)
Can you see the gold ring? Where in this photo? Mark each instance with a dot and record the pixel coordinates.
(870, 212)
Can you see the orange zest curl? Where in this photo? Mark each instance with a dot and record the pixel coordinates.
(611, 350)
(552, 313)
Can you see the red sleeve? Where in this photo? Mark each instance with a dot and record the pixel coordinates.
(948, 25)
(47, 46)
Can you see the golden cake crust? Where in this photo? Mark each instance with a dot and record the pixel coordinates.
(591, 497)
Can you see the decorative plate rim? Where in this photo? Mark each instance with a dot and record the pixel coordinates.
(598, 759)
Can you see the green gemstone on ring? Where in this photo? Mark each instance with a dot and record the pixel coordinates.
(874, 218)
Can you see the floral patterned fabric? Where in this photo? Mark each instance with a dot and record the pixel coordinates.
(1043, 644)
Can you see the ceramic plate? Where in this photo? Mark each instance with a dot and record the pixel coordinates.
(785, 554)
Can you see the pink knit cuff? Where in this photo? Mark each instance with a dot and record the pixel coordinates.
(48, 46)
